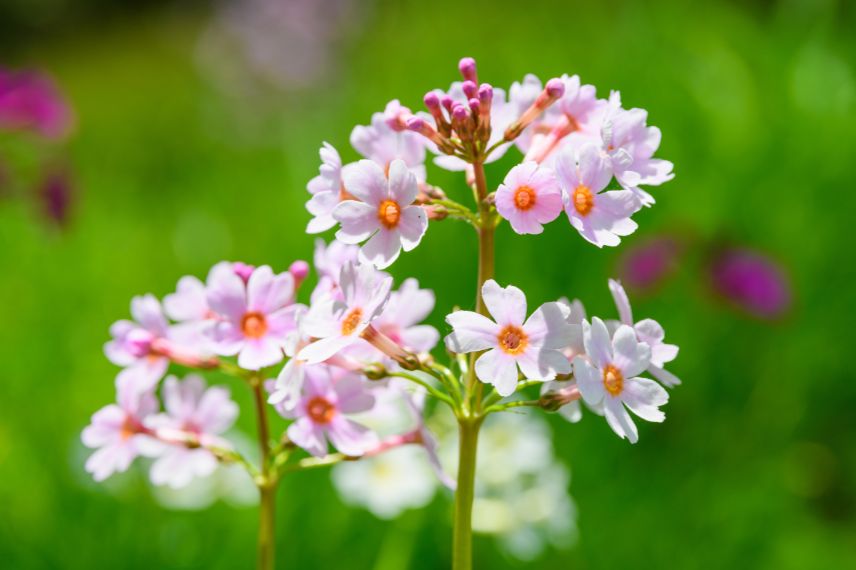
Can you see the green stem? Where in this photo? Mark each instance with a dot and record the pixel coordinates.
(462, 543)
(267, 507)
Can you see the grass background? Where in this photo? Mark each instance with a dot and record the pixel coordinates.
(756, 464)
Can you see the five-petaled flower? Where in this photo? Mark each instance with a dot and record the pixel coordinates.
(609, 377)
(383, 212)
(529, 197)
(511, 340)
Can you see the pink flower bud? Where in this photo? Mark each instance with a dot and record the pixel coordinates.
(447, 102)
(432, 100)
(555, 88)
(467, 67)
(243, 270)
(470, 89)
(485, 94)
(474, 106)
(299, 270)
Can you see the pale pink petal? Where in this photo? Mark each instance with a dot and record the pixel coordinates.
(644, 397)
(497, 368)
(324, 348)
(358, 221)
(630, 355)
(589, 381)
(506, 305)
(548, 326)
(351, 438)
(308, 436)
(366, 181)
(665, 377)
(189, 301)
(543, 364)
(471, 332)
(146, 310)
(594, 170)
(260, 352)
(402, 183)
(267, 292)
(382, 249)
(412, 226)
(622, 302)
(227, 294)
(420, 338)
(597, 342)
(352, 395)
(619, 420)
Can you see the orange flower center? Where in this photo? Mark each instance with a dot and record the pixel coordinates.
(583, 200)
(129, 428)
(524, 198)
(254, 325)
(320, 410)
(613, 380)
(352, 321)
(389, 212)
(512, 340)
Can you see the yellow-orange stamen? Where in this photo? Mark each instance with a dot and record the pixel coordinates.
(254, 325)
(512, 339)
(320, 410)
(613, 380)
(583, 200)
(352, 321)
(389, 212)
(524, 198)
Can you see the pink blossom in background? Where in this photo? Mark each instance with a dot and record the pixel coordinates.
(193, 412)
(117, 431)
(321, 414)
(133, 347)
(30, 100)
(751, 281)
(329, 260)
(646, 265)
(407, 307)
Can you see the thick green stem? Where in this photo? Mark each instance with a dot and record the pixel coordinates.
(267, 507)
(462, 543)
(486, 231)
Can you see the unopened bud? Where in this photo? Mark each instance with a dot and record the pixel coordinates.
(470, 89)
(431, 100)
(375, 371)
(467, 67)
(555, 88)
(299, 270)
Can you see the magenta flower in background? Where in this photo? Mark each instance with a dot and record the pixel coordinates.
(29, 100)
(646, 265)
(117, 431)
(320, 415)
(193, 412)
(751, 281)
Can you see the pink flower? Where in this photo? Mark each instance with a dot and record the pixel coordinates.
(382, 143)
(400, 320)
(646, 265)
(610, 378)
(321, 414)
(326, 190)
(752, 281)
(383, 213)
(529, 197)
(118, 433)
(600, 217)
(193, 414)
(651, 333)
(31, 100)
(329, 261)
(257, 316)
(534, 345)
(134, 344)
(630, 145)
(338, 324)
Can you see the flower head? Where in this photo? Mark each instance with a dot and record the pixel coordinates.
(383, 212)
(511, 340)
(195, 415)
(529, 197)
(609, 377)
(133, 345)
(321, 414)
(118, 433)
(751, 281)
(256, 316)
(31, 100)
(386, 140)
(600, 217)
(337, 324)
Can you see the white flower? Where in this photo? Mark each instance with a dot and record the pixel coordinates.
(612, 378)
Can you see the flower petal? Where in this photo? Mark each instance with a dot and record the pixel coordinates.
(471, 332)
(506, 305)
(497, 368)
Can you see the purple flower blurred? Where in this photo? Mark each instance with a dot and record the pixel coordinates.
(29, 100)
(752, 281)
(646, 265)
(56, 193)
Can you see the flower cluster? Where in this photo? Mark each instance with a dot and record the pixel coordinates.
(353, 369)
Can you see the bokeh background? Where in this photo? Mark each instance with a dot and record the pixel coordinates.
(196, 128)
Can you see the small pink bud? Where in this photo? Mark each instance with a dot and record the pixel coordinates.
(474, 106)
(299, 270)
(243, 270)
(485, 93)
(447, 102)
(460, 112)
(415, 123)
(432, 100)
(467, 67)
(555, 88)
(470, 89)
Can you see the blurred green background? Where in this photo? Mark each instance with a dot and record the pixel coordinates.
(756, 463)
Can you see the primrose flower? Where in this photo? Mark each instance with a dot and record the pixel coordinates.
(610, 378)
(257, 314)
(320, 415)
(386, 140)
(133, 345)
(338, 324)
(194, 416)
(117, 431)
(651, 333)
(529, 197)
(600, 217)
(382, 212)
(534, 345)
(326, 189)
(400, 319)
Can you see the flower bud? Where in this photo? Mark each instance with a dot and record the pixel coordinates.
(470, 89)
(467, 67)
